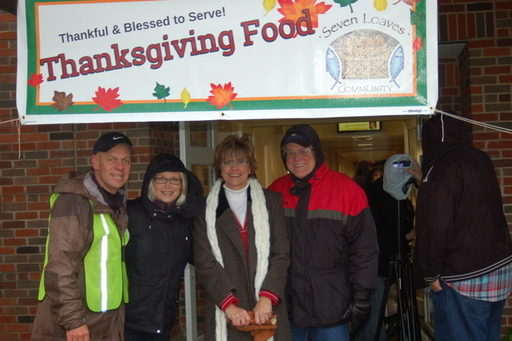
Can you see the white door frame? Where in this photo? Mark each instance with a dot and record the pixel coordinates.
(192, 155)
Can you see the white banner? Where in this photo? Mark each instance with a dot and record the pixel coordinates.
(185, 60)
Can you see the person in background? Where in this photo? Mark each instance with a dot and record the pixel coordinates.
(83, 285)
(384, 209)
(463, 246)
(334, 249)
(362, 169)
(161, 221)
(241, 249)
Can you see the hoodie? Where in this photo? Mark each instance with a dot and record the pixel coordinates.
(461, 230)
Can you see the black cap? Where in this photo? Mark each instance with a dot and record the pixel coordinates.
(298, 139)
(110, 140)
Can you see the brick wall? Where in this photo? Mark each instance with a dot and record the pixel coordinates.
(477, 83)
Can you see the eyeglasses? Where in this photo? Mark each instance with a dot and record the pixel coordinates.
(231, 163)
(301, 152)
(162, 181)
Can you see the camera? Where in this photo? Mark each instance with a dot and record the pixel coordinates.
(402, 163)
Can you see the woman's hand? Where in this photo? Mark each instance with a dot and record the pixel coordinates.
(262, 310)
(238, 316)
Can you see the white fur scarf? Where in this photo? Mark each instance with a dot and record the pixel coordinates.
(262, 241)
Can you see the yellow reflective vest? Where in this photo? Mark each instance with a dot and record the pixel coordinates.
(106, 282)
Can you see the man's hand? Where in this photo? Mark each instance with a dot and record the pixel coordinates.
(262, 310)
(78, 334)
(238, 316)
(416, 173)
(435, 286)
(359, 310)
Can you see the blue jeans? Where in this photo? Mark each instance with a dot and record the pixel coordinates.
(460, 318)
(338, 333)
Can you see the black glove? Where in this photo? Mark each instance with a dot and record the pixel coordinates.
(359, 310)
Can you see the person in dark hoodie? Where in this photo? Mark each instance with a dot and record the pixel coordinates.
(160, 226)
(463, 245)
(334, 252)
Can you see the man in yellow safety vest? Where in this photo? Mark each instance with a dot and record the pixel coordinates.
(83, 285)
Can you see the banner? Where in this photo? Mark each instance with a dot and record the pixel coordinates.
(185, 60)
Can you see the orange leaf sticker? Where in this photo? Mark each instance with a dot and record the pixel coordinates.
(107, 99)
(417, 44)
(35, 80)
(221, 95)
(408, 2)
(292, 10)
(62, 101)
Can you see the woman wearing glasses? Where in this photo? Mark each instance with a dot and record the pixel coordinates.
(160, 227)
(241, 248)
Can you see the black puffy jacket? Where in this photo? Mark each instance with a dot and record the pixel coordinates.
(159, 248)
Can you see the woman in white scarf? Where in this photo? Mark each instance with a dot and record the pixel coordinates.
(241, 247)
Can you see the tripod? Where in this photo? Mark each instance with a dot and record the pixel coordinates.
(400, 272)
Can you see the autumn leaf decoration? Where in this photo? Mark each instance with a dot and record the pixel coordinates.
(408, 2)
(107, 99)
(161, 92)
(344, 3)
(62, 101)
(221, 95)
(292, 10)
(417, 44)
(35, 80)
(268, 5)
(185, 97)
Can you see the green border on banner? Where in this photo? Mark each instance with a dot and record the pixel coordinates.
(418, 18)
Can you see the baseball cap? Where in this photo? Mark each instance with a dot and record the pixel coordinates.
(110, 140)
(298, 139)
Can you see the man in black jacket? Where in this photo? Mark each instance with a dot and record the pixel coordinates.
(463, 247)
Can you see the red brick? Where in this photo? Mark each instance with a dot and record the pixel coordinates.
(15, 241)
(26, 233)
(26, 215)
(13, 189)
(497, 69)
(497, 52)
(35, 137)
(7, 268)
(18, 327)
(502, 5)
(507, 79)
(7, 319)
(38, 171)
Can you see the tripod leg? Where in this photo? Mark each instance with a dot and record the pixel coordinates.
(384, 302)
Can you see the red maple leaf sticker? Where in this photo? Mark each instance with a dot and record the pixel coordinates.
(417, 44)
(292, 10)
(107, 99)
(221, 95)
(35, 80)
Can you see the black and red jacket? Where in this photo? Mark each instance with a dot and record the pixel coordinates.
(334, 247)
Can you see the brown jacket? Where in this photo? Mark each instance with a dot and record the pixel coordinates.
(238, 276)
(64, 307)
